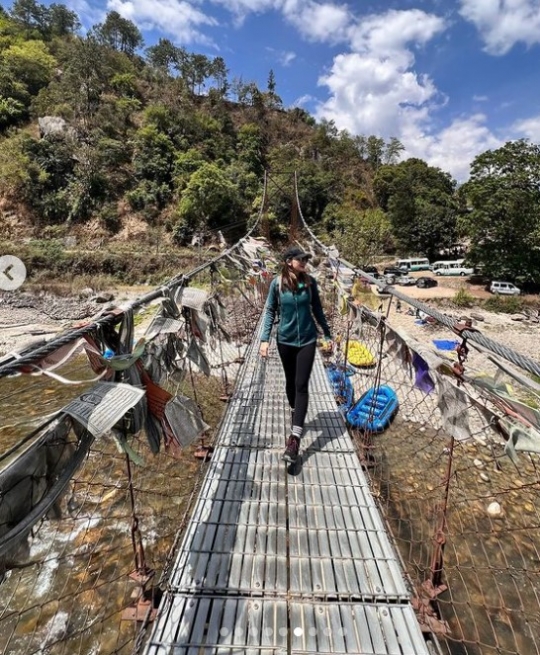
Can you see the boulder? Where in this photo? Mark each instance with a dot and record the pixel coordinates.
(53, 125)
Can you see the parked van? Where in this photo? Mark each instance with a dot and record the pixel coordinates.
(437, 265)
(453, 268)
(504, 288)
(413, 264)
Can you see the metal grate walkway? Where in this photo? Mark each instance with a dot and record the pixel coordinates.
(285, 561)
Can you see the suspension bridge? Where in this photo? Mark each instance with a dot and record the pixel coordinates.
(369, 544)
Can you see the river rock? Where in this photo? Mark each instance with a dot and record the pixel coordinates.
(478, 463)
(86, 293)
(494, 510)
(484, 477)
(103, 297)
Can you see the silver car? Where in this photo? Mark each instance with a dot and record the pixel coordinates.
(504, 288)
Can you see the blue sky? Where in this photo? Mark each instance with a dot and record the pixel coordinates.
(449, 79)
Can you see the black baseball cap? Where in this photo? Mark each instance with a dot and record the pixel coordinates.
(295, 253)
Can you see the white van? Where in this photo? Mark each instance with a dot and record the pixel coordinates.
(439, 264)
(413, 264)
(504, 288)
(453, 268)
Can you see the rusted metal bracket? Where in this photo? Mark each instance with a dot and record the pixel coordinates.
(462, 349)
(204, 452)
(142, 607)
(425, 609)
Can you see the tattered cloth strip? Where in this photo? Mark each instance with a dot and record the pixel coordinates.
(520, 438)
(31, 486)
(94, 354)
(254, 247)
(197, 356)
(55, 359)
(220, 307)
(424, 360)
(198, 324)
(99, 409)
(120, 362)
(453, 405)
(165, 352)
(422, 378)
(398, 348)
(215, 314)
(343, 303)
(500, 395)
(163, 325)
(517, 375)
(135, 418)
(191, 297)
(489, 383)
(242, 263)
(185, 420)
(59, 358)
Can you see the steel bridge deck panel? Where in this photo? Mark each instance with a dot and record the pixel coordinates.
(236, 542)
(191, 625)
(278, 560)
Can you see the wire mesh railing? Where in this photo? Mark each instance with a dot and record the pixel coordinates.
(454, 462)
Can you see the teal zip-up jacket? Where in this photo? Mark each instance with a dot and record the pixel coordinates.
(297, 315)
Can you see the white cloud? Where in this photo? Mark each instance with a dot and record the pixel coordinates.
(503, 23)
(480, 98)
(374, 96)
(302, 100)
(453, 148)
(373, 89)
(316, 21)
(286, 58)
(283, 57)
(178, 18)
(529, 128)
(389, 34)
(89, 15)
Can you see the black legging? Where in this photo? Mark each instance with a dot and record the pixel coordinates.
(297, 364)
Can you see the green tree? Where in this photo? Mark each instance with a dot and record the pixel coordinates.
(421, 204)
(153, 162)
(162, 55)
(360, 235)
(186, 163)
(30, 15)
(501, 211)
(209, 201)
(251, 148)
(219, 72)
(118, 33)
(61, 21)
(30, 63)
(271, 85)
(86, 76)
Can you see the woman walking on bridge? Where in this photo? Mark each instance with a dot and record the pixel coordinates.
(294, 295)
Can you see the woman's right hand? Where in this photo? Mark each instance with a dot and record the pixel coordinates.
(263, 350)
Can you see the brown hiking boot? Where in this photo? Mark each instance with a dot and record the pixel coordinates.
(291, 452)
